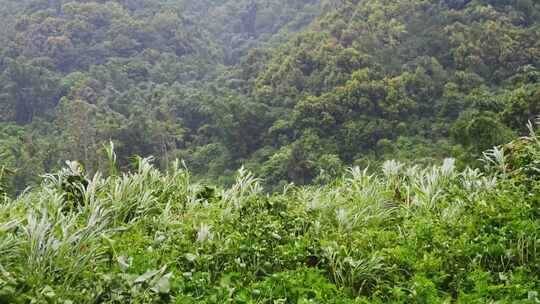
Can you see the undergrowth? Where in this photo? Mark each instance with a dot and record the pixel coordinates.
(405, 235)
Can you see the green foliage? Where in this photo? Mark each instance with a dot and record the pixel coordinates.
(140, 73)
(4, 173)
(367, 74)
(481, 131)
(404, 234)
(293, 90)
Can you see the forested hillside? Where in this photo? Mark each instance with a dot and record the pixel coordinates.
(398, 79)
(293, 90)
(141, 73)
(269, 151)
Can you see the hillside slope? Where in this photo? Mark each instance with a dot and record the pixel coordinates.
(379, 79)
(141, 73)
(264, 84)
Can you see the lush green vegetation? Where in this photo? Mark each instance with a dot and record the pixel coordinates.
(310, 99)
(75, 75)
(288, 89)
(403, 235)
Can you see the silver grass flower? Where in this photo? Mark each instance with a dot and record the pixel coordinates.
(204, 233)
(391, 168)
(448, 167)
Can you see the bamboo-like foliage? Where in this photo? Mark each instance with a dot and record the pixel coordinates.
(137, 234)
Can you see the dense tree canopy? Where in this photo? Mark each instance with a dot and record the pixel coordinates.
(293, 90)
